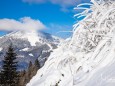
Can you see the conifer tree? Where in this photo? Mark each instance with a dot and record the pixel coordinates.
(29, 72)
(36, 67)
(9, 74)
(37, 64)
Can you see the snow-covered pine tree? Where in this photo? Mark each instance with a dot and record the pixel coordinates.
(9, 74)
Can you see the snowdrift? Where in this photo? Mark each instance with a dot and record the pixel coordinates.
(88, 58)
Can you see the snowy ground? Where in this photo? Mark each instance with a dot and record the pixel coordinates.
(88, 58)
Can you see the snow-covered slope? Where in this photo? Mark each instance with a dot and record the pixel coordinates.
(29, 46)
(88, 58)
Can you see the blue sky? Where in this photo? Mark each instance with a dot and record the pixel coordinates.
(56, 15)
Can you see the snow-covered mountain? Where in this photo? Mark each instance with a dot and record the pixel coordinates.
(88, 58)
(29, 46)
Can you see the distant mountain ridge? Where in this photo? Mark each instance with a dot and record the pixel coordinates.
(29, 46)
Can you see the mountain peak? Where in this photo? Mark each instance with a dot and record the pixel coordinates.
(29, 46)
(33, 37)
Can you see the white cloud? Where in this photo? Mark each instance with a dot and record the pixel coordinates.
(63, 3)
(24, 24)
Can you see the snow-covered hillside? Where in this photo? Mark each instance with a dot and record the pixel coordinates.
(88, 58)
(29, 46)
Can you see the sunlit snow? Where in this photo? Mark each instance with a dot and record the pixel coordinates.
(0, 49)
(31, 54)
(88, 58)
